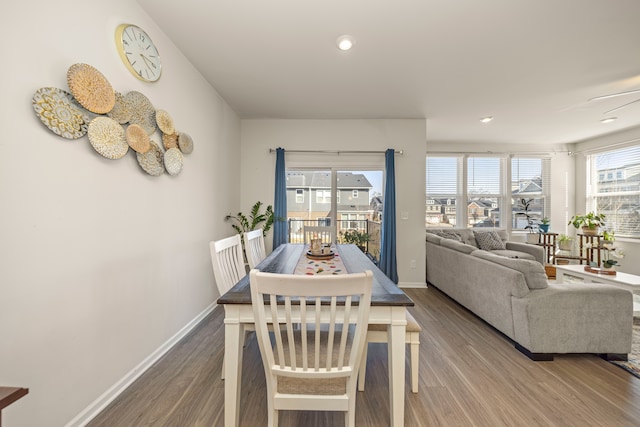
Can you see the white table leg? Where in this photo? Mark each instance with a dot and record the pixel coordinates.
(559, 276)
(233, 341)
(396, 351)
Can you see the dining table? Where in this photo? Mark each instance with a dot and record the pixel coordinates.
(388, 307)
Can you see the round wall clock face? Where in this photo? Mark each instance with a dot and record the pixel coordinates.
(138, 52)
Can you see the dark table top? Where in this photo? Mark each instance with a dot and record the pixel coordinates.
(8, 395)
(285, 257)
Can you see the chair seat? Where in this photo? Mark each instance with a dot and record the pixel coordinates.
(412, 325)
(320, 387)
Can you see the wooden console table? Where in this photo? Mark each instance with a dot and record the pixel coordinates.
(8, 395)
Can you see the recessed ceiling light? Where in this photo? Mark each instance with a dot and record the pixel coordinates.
(345, 42)
(486, 119)
(608, 120)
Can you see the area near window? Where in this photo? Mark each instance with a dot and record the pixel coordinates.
(350, 199)
(614, 189)
(489, 185)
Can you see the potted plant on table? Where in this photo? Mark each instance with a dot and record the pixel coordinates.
(589, 223)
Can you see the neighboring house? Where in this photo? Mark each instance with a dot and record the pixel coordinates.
(309, 198)
(376, 206)
(440, 211)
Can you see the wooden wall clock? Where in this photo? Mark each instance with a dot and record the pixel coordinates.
(137, 51)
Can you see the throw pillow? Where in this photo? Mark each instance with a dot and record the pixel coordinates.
(449, 235)
(489, 240)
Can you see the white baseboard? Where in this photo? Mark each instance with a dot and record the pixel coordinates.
(114, 391)
(412, 285)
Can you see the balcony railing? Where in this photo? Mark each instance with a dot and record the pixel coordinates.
(372, 228)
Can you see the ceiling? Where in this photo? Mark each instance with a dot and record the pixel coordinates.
(531, 64)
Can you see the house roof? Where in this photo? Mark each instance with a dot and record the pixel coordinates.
(319, 179)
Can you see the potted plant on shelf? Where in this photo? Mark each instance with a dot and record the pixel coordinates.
(544, 225)
(589, 223)
(608, 237)
(565, 243)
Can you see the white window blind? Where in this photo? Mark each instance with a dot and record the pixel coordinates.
(442, 190)
(484, 191)
(614, 190)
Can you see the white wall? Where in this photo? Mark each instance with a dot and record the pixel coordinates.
(100, 263)
(631, 247)
(258, 167)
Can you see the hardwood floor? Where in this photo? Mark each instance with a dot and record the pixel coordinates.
(470, 375)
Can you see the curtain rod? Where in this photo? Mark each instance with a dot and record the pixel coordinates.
(399, 152)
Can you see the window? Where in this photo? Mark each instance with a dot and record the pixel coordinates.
(323, 196)
(614, 189)
(529, 183)
(346, 199)
(442, 190)
(484, 191)
(488, 186)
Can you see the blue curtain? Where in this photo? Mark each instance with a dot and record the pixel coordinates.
(388, 262)
(280, 231)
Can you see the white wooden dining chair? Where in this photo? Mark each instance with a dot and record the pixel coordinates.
(378, 334)
(228, 269)
(325, 233)
(311, 360)
(254, 247)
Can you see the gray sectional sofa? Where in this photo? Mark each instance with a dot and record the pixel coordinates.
(506, 285)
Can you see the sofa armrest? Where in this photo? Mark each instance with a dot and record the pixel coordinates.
(536, 251)
(574, 318)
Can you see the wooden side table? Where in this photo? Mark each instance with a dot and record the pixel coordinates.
(8, 395)
(589, 250)
(548, 243)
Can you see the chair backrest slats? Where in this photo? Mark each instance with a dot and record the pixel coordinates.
(325, 233)
(254, 247)
(336, 327)
(227, 262)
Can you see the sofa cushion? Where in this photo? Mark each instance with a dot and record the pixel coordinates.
(489, 240)
(457, 246)
(533, 271)
(449, 235)
(432, 238)
(514, 254)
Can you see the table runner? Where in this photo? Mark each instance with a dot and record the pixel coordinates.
(312, 267)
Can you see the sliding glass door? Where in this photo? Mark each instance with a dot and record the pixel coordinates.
(350, 200)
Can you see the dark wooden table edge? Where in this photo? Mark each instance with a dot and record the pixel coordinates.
(395, 296)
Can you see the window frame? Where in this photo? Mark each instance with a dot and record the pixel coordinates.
(503, 198)
(595, 177)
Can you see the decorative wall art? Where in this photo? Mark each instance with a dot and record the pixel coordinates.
(60, 112)
(113, 122)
